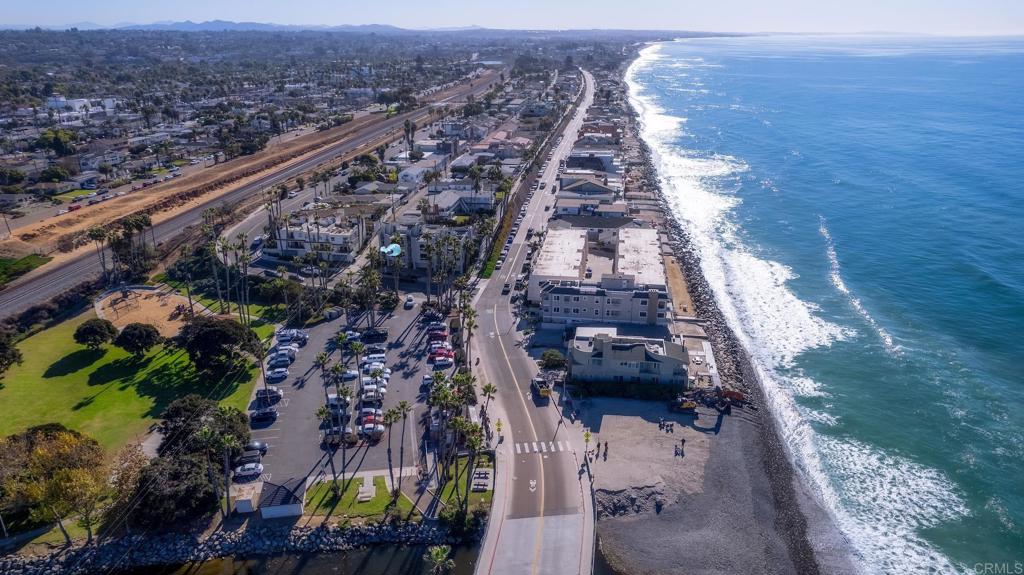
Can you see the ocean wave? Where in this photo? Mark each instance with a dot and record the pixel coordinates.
(866, 490)
(837, 280)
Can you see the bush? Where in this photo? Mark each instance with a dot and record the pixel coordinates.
(552, 359)
(95, 332)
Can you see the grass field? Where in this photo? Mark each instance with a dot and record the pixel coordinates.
(264, 316)
(103, 393)
(478, 499)
(321, 501)
(68, 196)
(12, 268)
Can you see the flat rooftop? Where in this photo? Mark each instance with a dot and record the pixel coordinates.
(639, 254)
(562, 254)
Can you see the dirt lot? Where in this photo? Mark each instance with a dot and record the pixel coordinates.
(145, 306)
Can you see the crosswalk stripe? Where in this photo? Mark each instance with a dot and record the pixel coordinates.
(552, 446)
(560, 446)
(543, 447)
(517, 449)
(535, 447)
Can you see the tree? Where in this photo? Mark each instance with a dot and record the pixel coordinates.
(125, 472)
(300, 182)
(213, 344)
(552, 359)
(404, 409)
(437, 559)
(172, 490)
(138, 338)
(9, 353)
(95, 332)
(184, 417)
(489, 390)
(60, 474)
(391, 417)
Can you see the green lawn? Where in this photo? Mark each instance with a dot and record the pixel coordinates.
(103, 393)
(264, 316)
(12, 268)
(477, 499)
(68, 196)
(321, 501)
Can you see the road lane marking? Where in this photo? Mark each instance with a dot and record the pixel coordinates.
(543, 447)
(518, 451)
(560, 446)
(535, 447)
(552, 446)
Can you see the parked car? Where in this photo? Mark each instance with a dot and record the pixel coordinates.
(249, 456)
(374, 349)
(443, 362)
(279, 362)
(436, 325)
(269, 394)
(375, 334)
(437, 336)
(353, 335)
(505, 289)
(350, 375)
(428, 380)
(370, 412)
(371, 367)
(336, 435)
(277, 374)
(310, 271)
(256, 446)
(409, 303)
(372, 430)
(248, 471)
(263, 414)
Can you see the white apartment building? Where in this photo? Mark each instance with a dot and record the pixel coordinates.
(600, 354)
(332, 238)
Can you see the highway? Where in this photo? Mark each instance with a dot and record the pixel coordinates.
(50, 281)
(544, 529)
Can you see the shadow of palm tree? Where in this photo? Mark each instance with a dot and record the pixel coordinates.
(74, 361)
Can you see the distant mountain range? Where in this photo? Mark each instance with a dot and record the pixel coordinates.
(221, 25)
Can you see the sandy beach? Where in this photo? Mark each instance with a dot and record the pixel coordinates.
(734, 503)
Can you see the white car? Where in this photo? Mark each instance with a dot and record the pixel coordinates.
(350, 375)
(248, 470)
(371, 429)
(428, 380)
(443, 362)
(371, 367)
(279, 373)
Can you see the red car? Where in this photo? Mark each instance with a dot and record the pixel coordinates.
(437, 336)
(439, 355)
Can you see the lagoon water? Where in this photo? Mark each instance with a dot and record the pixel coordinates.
(858, 203)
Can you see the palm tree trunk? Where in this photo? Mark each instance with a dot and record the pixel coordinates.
(401, 455)
(391, 468)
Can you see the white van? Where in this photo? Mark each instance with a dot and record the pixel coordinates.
(375, 358)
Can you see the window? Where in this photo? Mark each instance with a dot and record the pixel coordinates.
(643, 314)
(576, 310)
(643, 302)
(557, 310)
(584, 310)
(558, 298)
(597, 312)
(575, 298)
(661, 314)
(661, 305)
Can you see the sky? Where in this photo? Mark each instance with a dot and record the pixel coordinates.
(956, 17)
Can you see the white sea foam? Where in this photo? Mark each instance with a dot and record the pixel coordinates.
(837, 281)
(879, 500)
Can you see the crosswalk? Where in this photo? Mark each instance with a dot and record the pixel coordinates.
(542, 447)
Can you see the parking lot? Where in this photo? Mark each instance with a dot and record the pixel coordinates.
(294, 437)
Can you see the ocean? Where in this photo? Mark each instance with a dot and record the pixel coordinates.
(858, 205)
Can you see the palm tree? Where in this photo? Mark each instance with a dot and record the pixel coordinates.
(391, 417)
(489, 390)
(474, 442)
(99, 235)
(428, 248)
(228, 444)
(403, 409)
(357, 349)
(437, 559)
(324, 414)
(468, 325)
(208, 441)
(340, 341)
(343, 391)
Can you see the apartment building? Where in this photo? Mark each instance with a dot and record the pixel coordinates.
(601, 354)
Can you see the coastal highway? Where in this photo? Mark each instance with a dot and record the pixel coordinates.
(49, 281)
(545, 529)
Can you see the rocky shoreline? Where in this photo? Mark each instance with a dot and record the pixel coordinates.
(178, 548)
(779, 505)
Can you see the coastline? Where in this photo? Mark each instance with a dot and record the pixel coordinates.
(754, 514)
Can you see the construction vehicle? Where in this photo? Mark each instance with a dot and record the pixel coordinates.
(682, 404)
(541, 387)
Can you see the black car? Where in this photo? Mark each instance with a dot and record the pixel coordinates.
(371, 349)
(432, 315)
(268, 394)
(263, 414)
(256, 446)
(376, 334)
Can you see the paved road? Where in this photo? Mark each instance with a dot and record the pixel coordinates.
(36, 288)
(544, 523)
